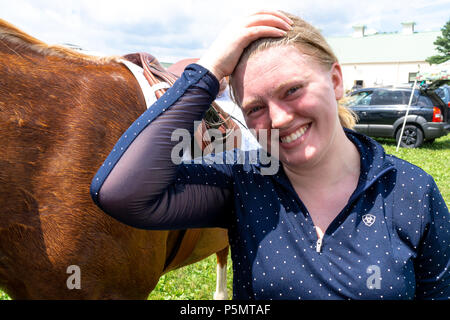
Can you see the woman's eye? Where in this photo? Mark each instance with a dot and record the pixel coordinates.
(292, 90)
(254, 109)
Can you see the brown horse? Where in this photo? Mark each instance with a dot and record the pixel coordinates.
(61, 113)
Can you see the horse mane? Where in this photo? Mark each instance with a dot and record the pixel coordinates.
(10, 34)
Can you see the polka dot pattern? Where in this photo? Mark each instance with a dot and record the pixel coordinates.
(401, 252)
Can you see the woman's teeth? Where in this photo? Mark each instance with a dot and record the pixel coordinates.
(295, 135)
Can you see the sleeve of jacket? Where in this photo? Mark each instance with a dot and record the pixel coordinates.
(140, 185)
(433, 261)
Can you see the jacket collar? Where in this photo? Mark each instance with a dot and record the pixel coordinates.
(374, 163)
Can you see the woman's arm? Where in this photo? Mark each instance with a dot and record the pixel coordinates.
(433, 261)
(137, 183)
(141, 186)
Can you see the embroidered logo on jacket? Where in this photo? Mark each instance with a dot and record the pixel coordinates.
(368, 219)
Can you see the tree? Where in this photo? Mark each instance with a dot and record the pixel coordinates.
(442, 44)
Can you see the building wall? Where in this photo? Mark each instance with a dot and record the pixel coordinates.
(380, 74)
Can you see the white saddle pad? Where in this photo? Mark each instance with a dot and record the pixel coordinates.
(147, 90)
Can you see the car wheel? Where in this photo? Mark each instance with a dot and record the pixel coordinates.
(412, 137)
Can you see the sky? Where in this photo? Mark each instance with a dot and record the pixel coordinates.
(173, 29)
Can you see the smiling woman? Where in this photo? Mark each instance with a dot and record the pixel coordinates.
(314, 46)
(278, 105)
(340, 219)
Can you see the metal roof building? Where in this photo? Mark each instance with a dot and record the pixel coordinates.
(383, 58)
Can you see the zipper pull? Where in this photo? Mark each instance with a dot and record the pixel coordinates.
(319, 245)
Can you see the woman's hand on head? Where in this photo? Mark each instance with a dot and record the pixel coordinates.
(223, 55)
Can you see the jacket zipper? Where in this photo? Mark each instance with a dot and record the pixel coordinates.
(320, 240)
(319, 245)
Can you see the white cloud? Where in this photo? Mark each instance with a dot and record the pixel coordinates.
(172, 30)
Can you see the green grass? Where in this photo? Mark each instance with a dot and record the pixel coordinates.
(193, 282)
(198, 281)
(4, 296)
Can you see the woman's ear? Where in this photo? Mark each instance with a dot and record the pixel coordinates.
(337, 79)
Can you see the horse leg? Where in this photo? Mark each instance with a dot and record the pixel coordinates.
(221, 279)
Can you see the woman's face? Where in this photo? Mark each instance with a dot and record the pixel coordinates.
(282, 88)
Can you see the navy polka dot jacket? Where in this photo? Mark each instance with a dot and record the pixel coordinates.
(391, 241)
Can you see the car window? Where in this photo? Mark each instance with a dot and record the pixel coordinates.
(387, 97)
(424, 101)
(440, 92)
(443, 93)
(360, 98)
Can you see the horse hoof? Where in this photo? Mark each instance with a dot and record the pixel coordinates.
(220, 296)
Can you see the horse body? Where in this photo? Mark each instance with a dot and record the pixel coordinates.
(60, 114)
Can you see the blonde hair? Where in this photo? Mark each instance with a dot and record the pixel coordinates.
(311, 42)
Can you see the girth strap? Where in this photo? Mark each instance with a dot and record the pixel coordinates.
(184, 249)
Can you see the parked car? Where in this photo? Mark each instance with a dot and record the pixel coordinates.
(381, 113)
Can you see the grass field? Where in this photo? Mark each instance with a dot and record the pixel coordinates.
(197, 281)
